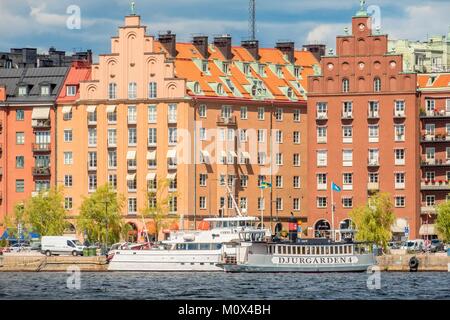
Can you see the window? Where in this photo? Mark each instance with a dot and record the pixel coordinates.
(230, 134)
(347, 202)
(399, 156)
(278, 136)
(202, 111)
(152, 115)
(400, 202)
(112, 137)
(132, 205)
(71, 91)
(261, 70)
(279, 181)
(68, 135)
(244, 113)
(68, 159)
(205, 66)
(20, 138)
(279, 159)
(152, 90)
(20, 162)
(261, 158)
(45, 90)
(67, 116)
(261, 179)
(347, 158)
(92, 136)
(430, 175)
(20, 185)
(321, 110)
(296, 137)
(321, 181)
(246, 68)
(373, 177)
(68, 203)
(41, 185)
(132, 114)
(345, 85)
(278, 204)
(92, 159)
(399, 180)
(322, 158)
(112, 91)
(173, 207)
(321, 202)
(152, 136)
(112, 159)
(260, 113)
(243, 203)
(173, 135)
(261, 135)
(347, 179)
(296, 182)
(347, 134)
(172, 113)
(347, 110)
(430, 200)
(112, 181)
(296, 204)
(23, 91)
(279, 114)
(377, 84)
(399, 108)
(203, 178)
(243, 135)
(244, 181)
(321, 134)
(374, 156)
(202, 202)
(132, 185)
(373, 133)
(132, 90)
(68, 180)
(260, 203)
(20, 115)
(296, 159)
(399, 132)
(374, 108)
(132, 136)
(92, 182)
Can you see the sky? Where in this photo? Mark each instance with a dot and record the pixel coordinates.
(43, 23)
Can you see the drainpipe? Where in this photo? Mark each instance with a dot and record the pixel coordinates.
(195, 164)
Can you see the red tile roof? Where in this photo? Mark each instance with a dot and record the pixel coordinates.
(442, 80)
(79, 71)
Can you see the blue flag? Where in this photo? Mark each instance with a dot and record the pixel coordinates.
(335, 187)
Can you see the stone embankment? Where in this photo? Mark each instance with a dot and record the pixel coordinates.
(427, 262)
(37, 262)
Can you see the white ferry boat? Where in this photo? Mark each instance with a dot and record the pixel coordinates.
(188, 250)
(307, 255)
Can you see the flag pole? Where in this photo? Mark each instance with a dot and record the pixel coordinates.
(332, 213)
(262, 209)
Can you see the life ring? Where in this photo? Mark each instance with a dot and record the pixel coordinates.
(413, 264)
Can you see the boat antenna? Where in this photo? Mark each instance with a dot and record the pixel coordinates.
(234, 200)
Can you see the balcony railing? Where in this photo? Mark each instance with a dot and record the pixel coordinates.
(321, 139)
(424, 209)
(226, 121)
(399, 114)
(41, 147)
(132, 120)
(112, 144)
(171, 119)
(41, 124)
(321, 116)
(435, 114)
(435, 185)
(373, 115)
(435, 138)
(373, 186)
(92, 121)
(41, 171)
(373, 163)
(435, 162)
(347, 115)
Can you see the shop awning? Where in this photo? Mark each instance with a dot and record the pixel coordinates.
(171, 176)
(233, 154)
(40, 113)
(131, 176)
(151, 155)
(171, 154)
(131, 155)
(399, 225)
(151, 176)
(67, 109)
(427, 230)
(91, 109)
(110, 109)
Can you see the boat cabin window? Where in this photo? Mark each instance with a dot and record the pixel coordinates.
(289, 250)
(327, 250)
(307, 250)
(198, 246)
(345, 249)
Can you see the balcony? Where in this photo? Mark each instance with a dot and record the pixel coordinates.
(373, 186)
(399, 138)
(424, 209)
(151, 143)
(321, 116)
(171, 119)
(435, 114)
(132, 167)
(41, 124)
(172, 166)
(373, 163)
(41, 147)
(429, 138)
(226, 121)
(92, 166)
(347, 116)
(112, 144)
(435, 185)
(132, 120)
(399, 114)
(92, 121)
(41, 171)
(373, 115)
(321, 139)
(435, 163)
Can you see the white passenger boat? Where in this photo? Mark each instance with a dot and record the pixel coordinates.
(188, 250)
(306, 255)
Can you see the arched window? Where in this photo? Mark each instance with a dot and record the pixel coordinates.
(219, 89)
(132, 90)
(112, 91)
(345, 85)
(377, 84)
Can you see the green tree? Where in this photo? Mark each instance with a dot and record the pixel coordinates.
(374, 220)
(157, 208)
(45, 213)
(12, 221)
(443, 221)
(101, 215)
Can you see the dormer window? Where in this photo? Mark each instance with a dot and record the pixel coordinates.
(290, 93)
(220, 89)
(261, 70)
(279, 71)
(205, 66)
(246, 69)
(23, 91)
(45, 90)
(71, 91)
(226, 67)
(197, 88)
(297, 72)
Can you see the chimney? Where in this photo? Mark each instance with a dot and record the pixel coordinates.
(223, 43)
(318, 50)
(169, 42)
(201, 43)
(288, 49)
(252, 47)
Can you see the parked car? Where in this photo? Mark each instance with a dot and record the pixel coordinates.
(436, 245)
(394, 245)
(18, 247)
(414, 245)
(55, 245)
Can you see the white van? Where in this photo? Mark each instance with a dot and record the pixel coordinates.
(414, 245)
(55, 245)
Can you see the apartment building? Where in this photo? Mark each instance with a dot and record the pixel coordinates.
(434, 100)
(363, 129)
(213, 119)
(27, 132)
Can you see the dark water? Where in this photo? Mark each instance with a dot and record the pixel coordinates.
(224, 286)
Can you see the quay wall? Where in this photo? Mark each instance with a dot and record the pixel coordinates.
(427, 262)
